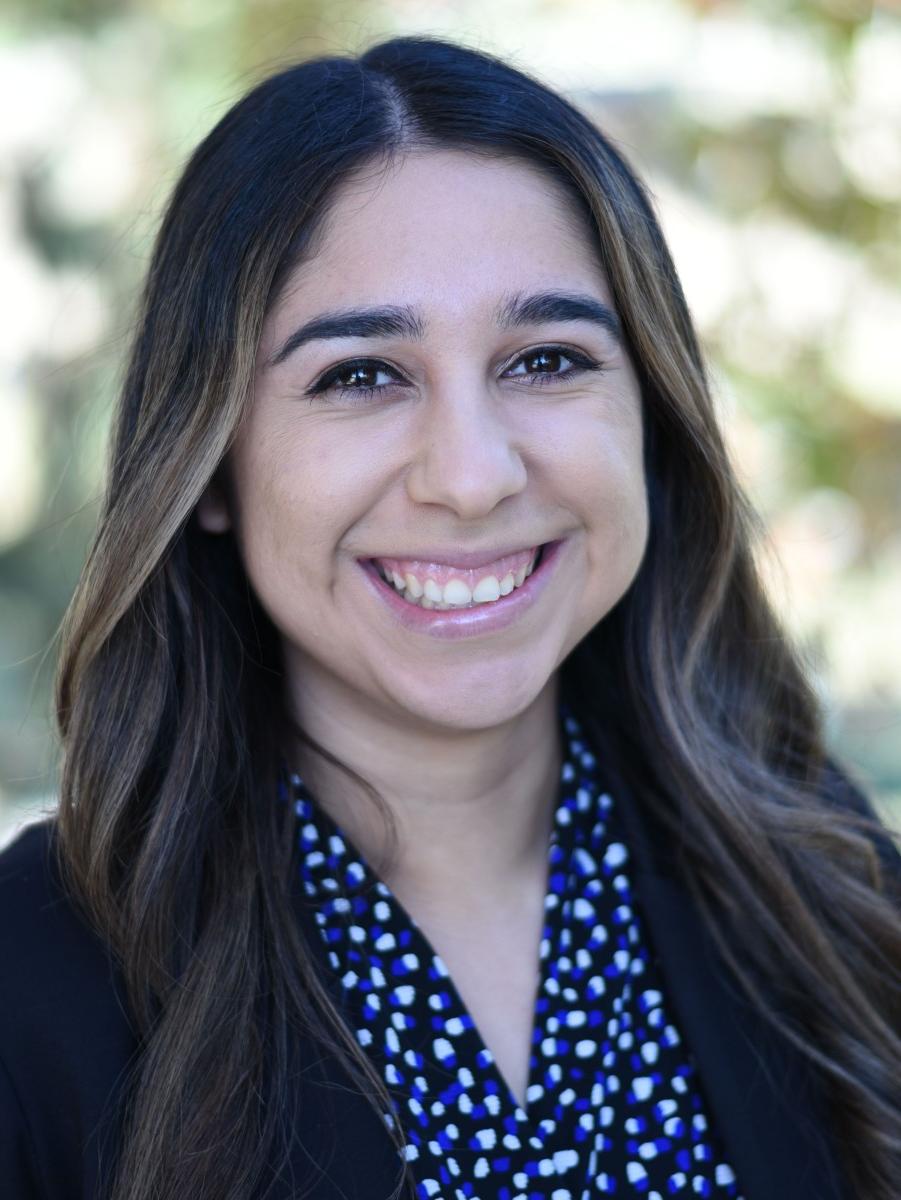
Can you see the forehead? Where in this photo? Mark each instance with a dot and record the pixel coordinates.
(447, 232)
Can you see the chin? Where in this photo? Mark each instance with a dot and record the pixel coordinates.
(482, 700)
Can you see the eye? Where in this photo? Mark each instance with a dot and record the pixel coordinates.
(360, 377)
(547, 364)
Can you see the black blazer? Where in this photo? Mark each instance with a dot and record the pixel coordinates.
(66, 1047)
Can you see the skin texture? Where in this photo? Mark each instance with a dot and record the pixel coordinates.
(458, 736)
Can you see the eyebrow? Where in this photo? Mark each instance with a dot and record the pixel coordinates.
(558, 306)
(388, 321)
(399, 321)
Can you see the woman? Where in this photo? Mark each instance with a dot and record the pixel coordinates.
(443, 811)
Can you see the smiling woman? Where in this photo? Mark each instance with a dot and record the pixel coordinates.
(444, 811)
(483, 408)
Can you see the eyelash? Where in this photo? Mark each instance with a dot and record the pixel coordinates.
(580, 362)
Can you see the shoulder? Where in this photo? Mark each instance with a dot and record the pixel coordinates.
(30, 893)
(50, 954)
(65, 1038)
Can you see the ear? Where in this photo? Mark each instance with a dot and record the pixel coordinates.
(212, 510)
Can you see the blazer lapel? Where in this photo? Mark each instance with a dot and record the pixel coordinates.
(759, 1088)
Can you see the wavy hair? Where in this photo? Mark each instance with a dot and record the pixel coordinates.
(171, 696)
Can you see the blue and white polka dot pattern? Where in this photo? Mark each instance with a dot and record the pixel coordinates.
(613, 1104)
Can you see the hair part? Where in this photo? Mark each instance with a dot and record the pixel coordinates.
(172, 837)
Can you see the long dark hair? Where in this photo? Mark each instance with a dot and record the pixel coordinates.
(171, 697)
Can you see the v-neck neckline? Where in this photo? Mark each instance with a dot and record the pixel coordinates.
(337, 879)
(611, 1098)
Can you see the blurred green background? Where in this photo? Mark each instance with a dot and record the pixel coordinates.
(770, 135)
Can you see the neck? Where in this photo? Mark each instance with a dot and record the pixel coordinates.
(472, 809)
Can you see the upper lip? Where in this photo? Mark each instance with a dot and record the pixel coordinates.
(471, 559)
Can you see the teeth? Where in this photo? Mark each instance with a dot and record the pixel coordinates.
(455, 593)
(486, 589)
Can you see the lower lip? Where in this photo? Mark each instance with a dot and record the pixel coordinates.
(467, 622)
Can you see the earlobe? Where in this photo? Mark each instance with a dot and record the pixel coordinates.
(212, 510)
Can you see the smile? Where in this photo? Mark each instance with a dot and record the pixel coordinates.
(496, 596)
(442, 587)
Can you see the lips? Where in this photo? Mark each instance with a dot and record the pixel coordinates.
(477, 618)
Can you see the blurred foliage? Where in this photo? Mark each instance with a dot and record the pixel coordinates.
(770, 135)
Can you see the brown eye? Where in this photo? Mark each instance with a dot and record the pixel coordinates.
(364, 377)
(543, 360)
(361, 376)
(547, 364)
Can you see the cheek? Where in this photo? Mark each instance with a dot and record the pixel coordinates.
(618, 526)
(607, 489)
(300, 486)
(595, 453)
(282, 504)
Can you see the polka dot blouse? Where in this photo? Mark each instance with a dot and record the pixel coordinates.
(614, 1104)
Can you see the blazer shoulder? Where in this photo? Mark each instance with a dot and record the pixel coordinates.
(34, 911)
(56, 969)
(41, 931)
(25, 864)
(66, 1040)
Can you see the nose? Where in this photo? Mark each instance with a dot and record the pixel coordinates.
(466, 456)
